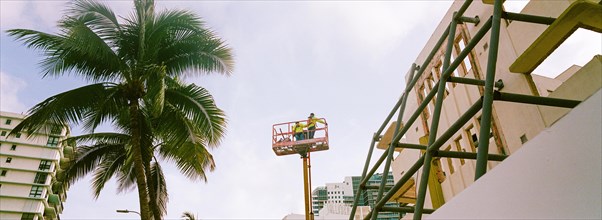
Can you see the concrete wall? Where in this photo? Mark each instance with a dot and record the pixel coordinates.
(580, 86)
(556, 175)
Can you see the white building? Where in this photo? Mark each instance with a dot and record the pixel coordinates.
(514, 126)
(30, 171)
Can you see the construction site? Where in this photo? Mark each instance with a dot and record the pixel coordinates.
(476, 135)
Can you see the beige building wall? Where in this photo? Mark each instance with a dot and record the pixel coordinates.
(28, 165)
(513, 124)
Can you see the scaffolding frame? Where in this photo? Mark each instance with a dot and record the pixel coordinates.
(484, 104)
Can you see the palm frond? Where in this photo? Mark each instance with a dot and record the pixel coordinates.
(105, 137)
(198, 106)
(68, 107)
(158, 178)
(88, 158)
(193, 160)
(108, 167)
(105, 21)
(109, 108)
(188, 216)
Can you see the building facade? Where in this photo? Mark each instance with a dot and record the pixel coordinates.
(512, 124)
(30, 170)
(337, 198)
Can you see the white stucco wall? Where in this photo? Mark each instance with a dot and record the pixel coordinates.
(556, 175)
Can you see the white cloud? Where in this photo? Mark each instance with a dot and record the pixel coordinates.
(10, 87)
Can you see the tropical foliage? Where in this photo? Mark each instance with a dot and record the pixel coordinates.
(133, 65)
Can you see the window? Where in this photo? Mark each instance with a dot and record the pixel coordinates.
(3, 133)
(28, 216)
(36, 191)
(523, 139)
(3, 172)
(53, 141)
(467, 64)
(13, 147)
(18, 135)
(471, 132)
(460, 148)
(44, 165)
(450, 163)
(8, 121)
(9, 159)
(40, 178)
(56, 130)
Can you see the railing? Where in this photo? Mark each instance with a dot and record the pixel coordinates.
(284, 142)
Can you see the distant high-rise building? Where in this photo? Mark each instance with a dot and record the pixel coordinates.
(338, 197)
(30, 170)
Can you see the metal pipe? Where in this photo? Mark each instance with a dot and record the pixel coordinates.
(483, 149)
(474, 20)
(305, 189)
(498, 84)
(421, 195)
(374, 168)
(528, 18)
(471, 112)
(537, 100)
(406, 176)
(411, 146)
(385, 174)
(360, 188)
(462, 9)
(429, 58)
(467, 155)
(416, 114)
(446, 73)
(407, 209)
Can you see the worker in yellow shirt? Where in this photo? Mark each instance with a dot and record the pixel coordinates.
(298, 131)
(311, 125)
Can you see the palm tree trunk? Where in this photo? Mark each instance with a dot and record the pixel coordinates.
(138, 163)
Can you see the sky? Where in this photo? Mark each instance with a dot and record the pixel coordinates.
(343, 60)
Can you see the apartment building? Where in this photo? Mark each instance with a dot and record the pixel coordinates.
(522, 47)
(30, 171)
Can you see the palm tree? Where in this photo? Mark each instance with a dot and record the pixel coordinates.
(128, 65)
(188, 216)
(107, 157)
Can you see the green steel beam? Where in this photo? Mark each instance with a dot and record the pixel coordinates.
(421, 195)
(406, 176)
(407, 209)
(475, 20)
(537, 100)
(483, 149)
(498, 84)
(467, 155)
(366, 176)
(446, 73)
(360, 187)
(385, 174)
(470, 112)
(462, 9)
(528, 18)
(411, 146)
(374, 168)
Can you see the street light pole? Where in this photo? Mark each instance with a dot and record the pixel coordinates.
(128, 211)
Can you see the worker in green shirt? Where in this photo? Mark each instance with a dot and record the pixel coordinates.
(298, 131)
(311, 125)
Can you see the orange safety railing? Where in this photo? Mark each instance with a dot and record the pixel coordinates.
(285, 143)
